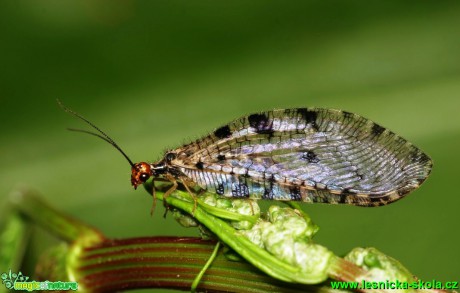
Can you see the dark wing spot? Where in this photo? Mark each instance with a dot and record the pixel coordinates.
(271, 179)
(347, 115)
(414, 155)
(294, 193)
(223, 132)
(220, 189)
(220, 157)
(256, 120)
(246, 175)
(376, 201)
(268, 193)
(199, 165)
(268, 190)
(189, 152)
(310, 156)
(377, 129)
(309, 117)
(418, 156)
(261, 123)
(343, 198)
(240, 190)
(424, 159)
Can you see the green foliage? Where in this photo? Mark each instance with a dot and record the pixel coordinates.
(279, 244)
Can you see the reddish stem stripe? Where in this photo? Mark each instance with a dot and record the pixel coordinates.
(166, 262)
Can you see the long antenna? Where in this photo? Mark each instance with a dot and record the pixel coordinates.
(102, 134)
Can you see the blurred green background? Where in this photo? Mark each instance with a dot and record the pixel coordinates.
(156, 74)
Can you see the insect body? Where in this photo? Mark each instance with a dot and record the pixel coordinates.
(307, 154)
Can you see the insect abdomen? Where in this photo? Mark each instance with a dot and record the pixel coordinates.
(242, 187)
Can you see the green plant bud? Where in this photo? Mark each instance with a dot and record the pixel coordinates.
(380, 267)
(255, 234)
(292, 222)
(224, 203)
(209, 199)
(311, 258)
(287, 236)
(244, 207)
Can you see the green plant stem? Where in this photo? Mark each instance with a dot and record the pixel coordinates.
(339, 268)
(13, 243)
(99, 264)
(171, 262)
(203, 270)
(243, 246)
(63, 226)
(345, 271)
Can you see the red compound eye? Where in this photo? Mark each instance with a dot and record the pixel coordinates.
(144, 177)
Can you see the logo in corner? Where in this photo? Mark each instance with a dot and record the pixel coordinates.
(10, 278)
(17, 281)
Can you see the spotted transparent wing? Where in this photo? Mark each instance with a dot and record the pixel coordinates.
(307, 154)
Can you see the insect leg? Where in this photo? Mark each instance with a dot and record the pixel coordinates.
(168, 192)
(152, 209)
(252, 208)
(154, 196)
(186, 182)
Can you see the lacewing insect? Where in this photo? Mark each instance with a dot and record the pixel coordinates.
(312, 155)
